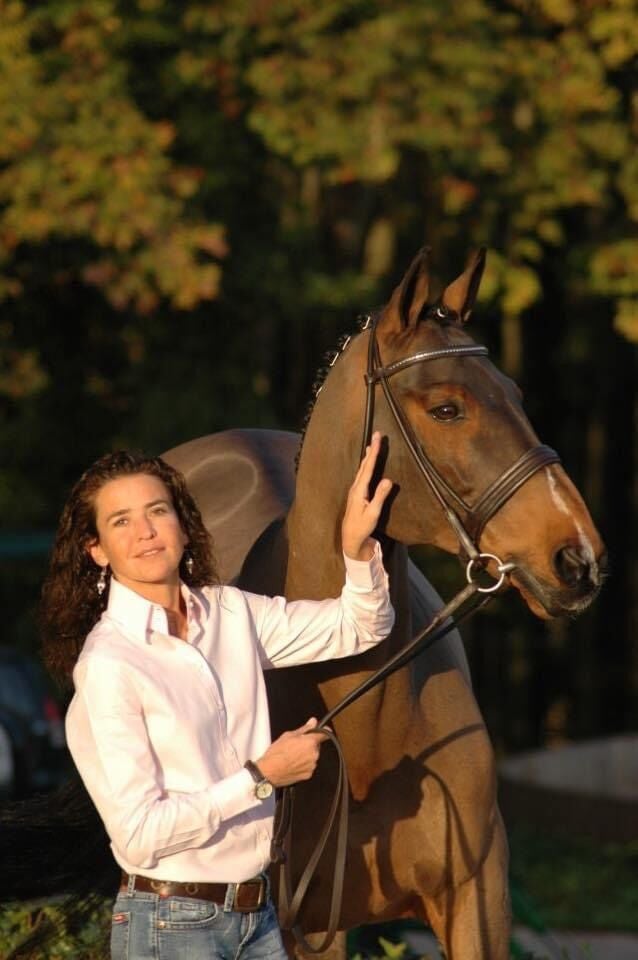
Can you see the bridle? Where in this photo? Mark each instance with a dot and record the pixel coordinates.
(468, 523)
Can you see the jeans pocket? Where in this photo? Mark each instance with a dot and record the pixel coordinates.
(187, 913)
(120, 926)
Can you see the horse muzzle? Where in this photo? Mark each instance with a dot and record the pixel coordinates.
(579, 576)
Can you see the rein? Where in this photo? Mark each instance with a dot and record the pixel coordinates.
(468, 529)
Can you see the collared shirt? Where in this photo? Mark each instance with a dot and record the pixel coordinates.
(159, 728)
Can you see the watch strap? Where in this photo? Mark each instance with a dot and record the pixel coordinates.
(255, 772)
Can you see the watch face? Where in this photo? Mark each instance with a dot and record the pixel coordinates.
(263, 790)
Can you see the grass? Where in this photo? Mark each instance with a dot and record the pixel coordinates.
(575, 884)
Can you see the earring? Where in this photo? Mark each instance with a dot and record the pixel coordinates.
(101, 582)
(189, 563)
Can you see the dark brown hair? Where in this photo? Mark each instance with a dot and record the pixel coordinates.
(71, 604)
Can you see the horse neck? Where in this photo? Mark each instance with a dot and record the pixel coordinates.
(316, 570)
(327, 465)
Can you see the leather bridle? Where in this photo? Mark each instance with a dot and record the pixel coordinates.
(468, 523)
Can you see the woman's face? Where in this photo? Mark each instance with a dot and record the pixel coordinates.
(139, 533)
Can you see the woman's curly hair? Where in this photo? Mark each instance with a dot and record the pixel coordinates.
(70, 604)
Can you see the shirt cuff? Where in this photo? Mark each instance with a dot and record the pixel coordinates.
(235, 794)
(366, 575)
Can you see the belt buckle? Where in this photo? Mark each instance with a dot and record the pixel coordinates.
(261, 897)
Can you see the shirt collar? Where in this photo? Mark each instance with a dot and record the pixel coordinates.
(141, 618)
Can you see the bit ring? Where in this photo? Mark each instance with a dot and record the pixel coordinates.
(503, 569)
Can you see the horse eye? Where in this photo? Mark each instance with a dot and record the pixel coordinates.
(445, 411)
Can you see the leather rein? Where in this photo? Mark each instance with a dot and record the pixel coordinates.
(468, 523)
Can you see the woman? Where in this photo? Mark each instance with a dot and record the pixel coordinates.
(169, 722)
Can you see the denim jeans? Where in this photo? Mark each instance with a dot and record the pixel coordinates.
(149, 927)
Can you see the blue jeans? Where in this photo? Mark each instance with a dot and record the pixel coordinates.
(149, 927)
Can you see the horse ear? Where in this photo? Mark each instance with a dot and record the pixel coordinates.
(411, 295)
(461, 294)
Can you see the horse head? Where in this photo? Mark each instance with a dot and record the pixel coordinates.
(465, 419)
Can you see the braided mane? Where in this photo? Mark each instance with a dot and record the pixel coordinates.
(328, 361)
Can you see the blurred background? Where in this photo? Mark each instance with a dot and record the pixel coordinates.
(197, 199)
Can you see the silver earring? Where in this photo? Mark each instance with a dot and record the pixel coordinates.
(189, 563)
(101, 582)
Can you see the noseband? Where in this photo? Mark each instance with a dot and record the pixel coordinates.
(468, 522)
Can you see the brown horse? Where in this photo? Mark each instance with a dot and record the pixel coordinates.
(426, 838)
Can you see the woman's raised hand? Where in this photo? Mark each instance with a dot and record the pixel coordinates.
(362, 514)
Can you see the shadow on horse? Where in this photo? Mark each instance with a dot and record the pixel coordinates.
(426, 838)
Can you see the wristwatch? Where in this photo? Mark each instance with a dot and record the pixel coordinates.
(263, 786)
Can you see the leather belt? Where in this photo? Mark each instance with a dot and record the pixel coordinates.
(247, 896)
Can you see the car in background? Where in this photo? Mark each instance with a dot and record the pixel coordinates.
(32, 722)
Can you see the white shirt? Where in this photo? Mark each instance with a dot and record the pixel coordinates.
(159, 728)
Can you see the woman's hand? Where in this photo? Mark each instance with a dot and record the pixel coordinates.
(293, 756)
(362, 514)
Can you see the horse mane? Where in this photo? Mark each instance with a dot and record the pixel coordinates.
(328, 361)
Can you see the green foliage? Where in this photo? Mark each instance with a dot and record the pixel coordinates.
(80, 160)
(522, 114)
(17, 922)
(574, 884)
(393, 951)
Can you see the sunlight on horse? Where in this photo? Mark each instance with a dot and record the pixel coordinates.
(426, 838)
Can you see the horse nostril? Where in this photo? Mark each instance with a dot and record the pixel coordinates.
(573, 567)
